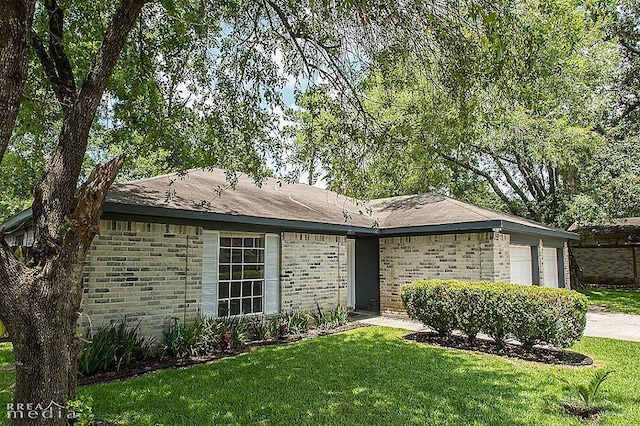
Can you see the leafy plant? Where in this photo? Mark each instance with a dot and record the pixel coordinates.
(259, 329)
(80, 412)
(227, 331)
(282, 330)
(203, 335)
(297, 321)
(326, 320)
(113, 345)
(587, 392)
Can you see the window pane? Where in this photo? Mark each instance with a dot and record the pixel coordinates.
(223, 308)
(259, 242)
(257, 288)
(250, 256)
(224, 272)
(235, 307)
(257, 304)
(225, 255)
(246, 288)
(223, 290)
(248, 242)
(237, 242)
(237, 272)
(260, 256)
(225, 242)
(246, 306)
(236, 256)
(235, 289)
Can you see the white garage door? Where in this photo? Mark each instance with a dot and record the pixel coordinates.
(521, 267)
(550, 265)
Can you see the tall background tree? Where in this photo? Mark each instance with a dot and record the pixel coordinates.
(517, 118)
(173, 85)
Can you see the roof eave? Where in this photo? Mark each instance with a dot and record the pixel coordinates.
(296, 225)
(549, 232)
(212, 217)
(16, 221)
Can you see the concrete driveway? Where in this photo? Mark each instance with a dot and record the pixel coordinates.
(599, 324)
(613, 326)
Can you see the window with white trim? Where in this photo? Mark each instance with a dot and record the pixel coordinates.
(241, 274)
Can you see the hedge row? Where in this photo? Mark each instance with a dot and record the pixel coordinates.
(530, 314)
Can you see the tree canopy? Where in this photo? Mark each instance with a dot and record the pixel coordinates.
(519, 119)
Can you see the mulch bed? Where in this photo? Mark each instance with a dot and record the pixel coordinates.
(142, 367)
(585, 413)
(546, 355)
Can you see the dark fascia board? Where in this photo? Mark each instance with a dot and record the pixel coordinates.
(208, 219)
(448, 228)
(548, 232)
(212, 219)
(482, 226)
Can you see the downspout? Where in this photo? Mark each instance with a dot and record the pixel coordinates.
(186, 281)
(339, 278)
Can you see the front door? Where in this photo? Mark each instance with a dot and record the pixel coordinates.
(367, 274)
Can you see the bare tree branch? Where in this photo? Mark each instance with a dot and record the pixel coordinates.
(513, 184)
(492, 182)
(66, 80)
(50, 71)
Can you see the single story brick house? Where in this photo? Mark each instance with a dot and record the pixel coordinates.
(607, 253)
(174, 246)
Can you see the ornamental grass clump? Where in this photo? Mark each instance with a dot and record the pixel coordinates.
(530, 314)
(113, 345)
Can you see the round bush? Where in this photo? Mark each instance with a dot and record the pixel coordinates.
(530, 314)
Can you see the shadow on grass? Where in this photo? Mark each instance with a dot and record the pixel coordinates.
(367, 376)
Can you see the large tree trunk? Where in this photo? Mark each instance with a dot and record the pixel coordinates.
(45, 305)
(40, 298)
(46, 360)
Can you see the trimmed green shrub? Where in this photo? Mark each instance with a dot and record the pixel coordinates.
(530, 314)
(469, 308)
(431, 303)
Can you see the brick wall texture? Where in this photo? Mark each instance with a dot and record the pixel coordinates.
(151, 272)
(314, 270)
(606, 265)
(143, 272)
(470, 257)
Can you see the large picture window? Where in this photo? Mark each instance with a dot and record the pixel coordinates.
(241, 274)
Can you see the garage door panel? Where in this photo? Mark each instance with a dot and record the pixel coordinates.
(521, 265)
(550, 264)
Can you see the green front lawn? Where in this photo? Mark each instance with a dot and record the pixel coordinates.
(368, 376)
(627, 301)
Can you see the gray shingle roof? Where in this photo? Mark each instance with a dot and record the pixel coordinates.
(199, 191)
(274, 199)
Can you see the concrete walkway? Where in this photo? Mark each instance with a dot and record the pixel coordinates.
(599, 324)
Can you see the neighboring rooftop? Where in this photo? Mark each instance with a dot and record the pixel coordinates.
(207, 195)
(626, 225)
